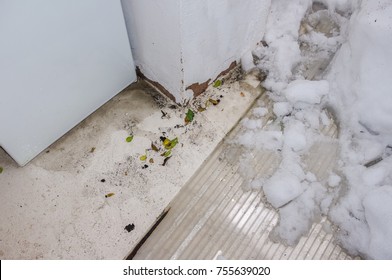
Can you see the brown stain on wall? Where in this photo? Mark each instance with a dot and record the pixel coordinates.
(198, 88)
(224, 72)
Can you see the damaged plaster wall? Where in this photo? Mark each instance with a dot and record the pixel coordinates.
(154, 34)
(216, 33)
(183, 44)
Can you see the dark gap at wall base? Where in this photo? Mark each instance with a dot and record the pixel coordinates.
(160, 87)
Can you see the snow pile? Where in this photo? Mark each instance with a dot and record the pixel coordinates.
(362, 68)
(298, 111)
(302, 38)
(362, 96)
(282, 39)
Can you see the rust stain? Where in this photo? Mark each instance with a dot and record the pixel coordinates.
(198, 88)
(224, 72)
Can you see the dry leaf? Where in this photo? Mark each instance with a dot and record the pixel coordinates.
(155, 148)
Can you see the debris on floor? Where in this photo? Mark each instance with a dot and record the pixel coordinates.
(129, 227)
(97, 158)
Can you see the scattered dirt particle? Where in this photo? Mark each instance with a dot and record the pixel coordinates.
(145, 166)
(92, 150)
(164, 115)
(130, 227)
(103, 180)
(165, 161)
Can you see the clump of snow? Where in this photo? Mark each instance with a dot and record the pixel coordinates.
(260, 111)
(271, 140)
(282, 187)
(334, 180)
(247, 63)
(295, 136)
(252, 124)
(341, 5)
(296, 218)
(282, 109)
(309, 92)
(282, 53)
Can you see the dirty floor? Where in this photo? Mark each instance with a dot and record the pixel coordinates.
(95, 192)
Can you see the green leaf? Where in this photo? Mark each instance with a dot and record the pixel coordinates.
(143, 157)
(129, 138)
(166, 154)
(217, 83)
(170, 144)
(189, 116)
(1, 169)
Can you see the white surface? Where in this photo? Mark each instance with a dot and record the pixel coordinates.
(60, 61)
(155, 36)
(181, 42)
(216, 33)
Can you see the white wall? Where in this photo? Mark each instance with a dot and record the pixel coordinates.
(154, 33)
(181, 42)
(216, 33)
